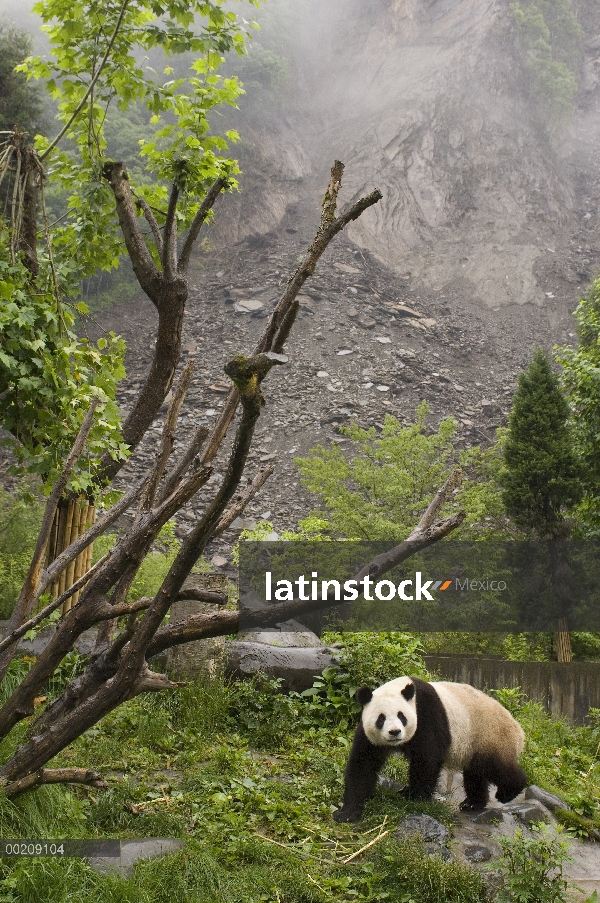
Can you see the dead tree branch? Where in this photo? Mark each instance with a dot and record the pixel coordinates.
(205, 207)
(168, 291)
(228, 517)
(282, 319)
(55, 776)
(169, 255)
(180, 469)
(167, 441)
(16, 635)
(152, 222)
(118, 668)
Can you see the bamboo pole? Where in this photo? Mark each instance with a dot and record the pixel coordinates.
(69, 538)
(564, 653)
(71, 521)
(64, 542)
(52, 549)
(81, 558)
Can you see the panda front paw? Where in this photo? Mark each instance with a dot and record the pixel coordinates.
(346, 815)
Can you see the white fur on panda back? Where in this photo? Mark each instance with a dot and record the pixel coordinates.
(478, 724)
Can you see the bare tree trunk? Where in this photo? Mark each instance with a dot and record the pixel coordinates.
(118, 668)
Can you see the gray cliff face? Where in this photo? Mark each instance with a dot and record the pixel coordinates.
(427, 100)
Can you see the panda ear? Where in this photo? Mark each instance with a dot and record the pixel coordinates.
(408, 692)
(364, 695)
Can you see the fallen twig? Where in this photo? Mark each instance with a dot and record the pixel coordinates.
(366, 847)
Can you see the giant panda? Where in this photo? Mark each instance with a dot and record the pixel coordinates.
(433, 724)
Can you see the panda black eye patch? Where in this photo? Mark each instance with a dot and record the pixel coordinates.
(402, 718)
(380, 722)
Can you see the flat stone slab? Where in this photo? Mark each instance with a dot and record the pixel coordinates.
(529, 813)
(430, 829)
(285, 638)
(296, 666)
(134, 850)
(550, 800)
(486, 816)
(246, 307)
(475, 852)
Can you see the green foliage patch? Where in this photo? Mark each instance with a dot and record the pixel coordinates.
(380, 494)
(581, 377)
(48, 376)
(155, 565)
(380, 489)
(20, 520)
(550, 37)
(533, 867)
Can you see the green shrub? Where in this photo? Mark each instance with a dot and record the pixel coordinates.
(519, 647)
(382, 491)
(374, 658)
(532, 868)
(415, 877)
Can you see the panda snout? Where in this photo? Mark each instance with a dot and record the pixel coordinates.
(396, 732)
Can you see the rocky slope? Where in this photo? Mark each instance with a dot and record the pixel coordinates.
(486, 236)
(487, 193)
(365, 345)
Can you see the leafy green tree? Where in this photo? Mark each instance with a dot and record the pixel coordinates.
(48, 376)
(541, 477)
(98, 62)
(20, 101)
(551, 39)
(378, 493)
(581, 379)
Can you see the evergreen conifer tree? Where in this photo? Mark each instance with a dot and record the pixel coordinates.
(541, 476)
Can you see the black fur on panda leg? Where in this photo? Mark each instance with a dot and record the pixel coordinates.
(509, 778)
(360, 779)
(476, 787)
(428, 748)
(424, 776)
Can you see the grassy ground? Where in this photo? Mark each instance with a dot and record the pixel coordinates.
(249, 779)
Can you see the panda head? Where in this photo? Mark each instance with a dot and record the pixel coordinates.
(389, 715)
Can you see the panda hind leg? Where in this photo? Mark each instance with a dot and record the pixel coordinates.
(508, 777)
(476, 787)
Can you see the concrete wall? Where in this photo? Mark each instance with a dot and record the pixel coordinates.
(568, 690)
